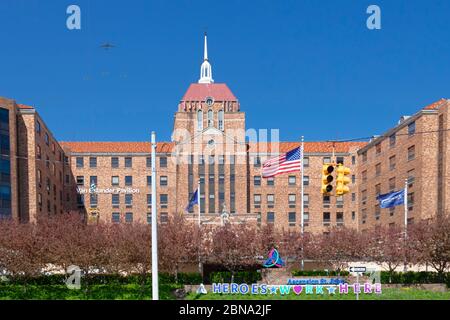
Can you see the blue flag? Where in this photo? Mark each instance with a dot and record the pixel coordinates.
(194, 200)
(392, 199)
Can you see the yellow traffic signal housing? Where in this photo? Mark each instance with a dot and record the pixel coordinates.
(327, 178)
(342, 180)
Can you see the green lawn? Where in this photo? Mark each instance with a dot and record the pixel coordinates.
(388, 294)
(96, 292)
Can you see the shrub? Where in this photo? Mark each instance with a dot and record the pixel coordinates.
(239, 277)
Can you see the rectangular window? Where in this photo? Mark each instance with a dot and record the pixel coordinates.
(128, 180)
(128, 200)
(353, 178)
(270, 200)
(115, 217)
(363, 197)
(292, 199)
(149, 218)
(326, 200)
(326, 218)
(93, 200)
(306, 162)
(292, 180)
(364, 176)
(257, 181)
(411, 153)
(377, 190)
(80, 180)
(148, 161)
(412, 128)
(80, 162)
(38, 127)
(257, 162)
(291, 219)
(149, 200)
(392, 140)
(340, 160)
(149, 180)
(270, 217)
(257, 200)
(163, 162)
(115, 180)
(392, 163)
(47, 139)
(391, 184)
(326, 160)
(115, 200)
(114, 162)
(378, 169)
(340, 201)
(129, 217)
(353, 197)
(306, 219)
(93, 180)
(340, 218)
(377, 212)
(163, 199)
(378, 148)
(164, 218)
(353, 215)
(163, 181)
(306, 180)
(305, 200)
(271, 181)
(411, 178)
(93, 162)
(353, 160)
(128, 162)
(364, 156)
(410, 200)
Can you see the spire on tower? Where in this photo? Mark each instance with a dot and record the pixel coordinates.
(206, 69)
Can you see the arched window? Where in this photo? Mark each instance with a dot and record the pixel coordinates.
(199, 120)
(220, 120)
(210, 118)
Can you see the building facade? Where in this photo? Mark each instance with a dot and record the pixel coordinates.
(211, 148)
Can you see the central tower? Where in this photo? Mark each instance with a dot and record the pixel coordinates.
(209, 131)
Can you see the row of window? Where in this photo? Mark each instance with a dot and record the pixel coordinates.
(115, 200)
(116, 217)
(292, 218)
(115, 162)
(325, 160)
(115, 180)
(210, 118)
(392, 141)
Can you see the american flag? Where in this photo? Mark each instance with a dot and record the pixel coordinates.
(287, 162)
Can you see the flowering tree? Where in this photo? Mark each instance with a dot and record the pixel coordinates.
(177, 244)
(234, 246)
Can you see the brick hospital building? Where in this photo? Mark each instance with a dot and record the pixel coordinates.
(112, 181)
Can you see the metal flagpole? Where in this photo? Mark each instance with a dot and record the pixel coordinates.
(406, 220)
(199, 224)
(199, 197)
(301, 199)
(155, 286)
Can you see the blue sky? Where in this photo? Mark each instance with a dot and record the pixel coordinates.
(306, 67)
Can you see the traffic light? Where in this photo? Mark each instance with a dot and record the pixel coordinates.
(342, 180)
(327, 178)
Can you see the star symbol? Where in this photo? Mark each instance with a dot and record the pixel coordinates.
(273, 290)
(331, 289)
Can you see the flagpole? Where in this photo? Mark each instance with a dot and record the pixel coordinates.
(301, 198)
(155, 285)
(199, 224)
(199, 199)
(406, 220)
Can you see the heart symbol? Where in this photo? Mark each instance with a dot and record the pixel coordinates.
(297, 289)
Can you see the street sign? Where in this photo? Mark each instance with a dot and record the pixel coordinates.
(357, 269)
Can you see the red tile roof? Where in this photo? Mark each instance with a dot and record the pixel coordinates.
(199, 91)
(435, 105)
(116, 147)
(145, 147)
(310, 147)
(22, 106)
